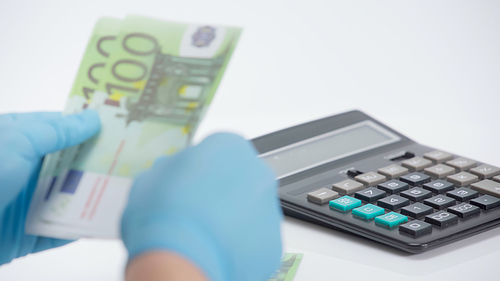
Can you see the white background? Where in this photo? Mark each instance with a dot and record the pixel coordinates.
(429, 69)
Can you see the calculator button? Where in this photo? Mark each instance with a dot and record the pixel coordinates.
(438, 156)
(416, 164)
(370, 179)
(416, 210)
(393, 186)
(416, 194)
(461, 164)
(487, 187)
(497, 178)
(322, 196)
(368, 211)
(462, 194)
(393, 171)
(462, 179)
(440, 202)
(347, 187)
(415, 179)
(439, 171)
(390, 220)
(370, 194)
(345, 203)
(393, 202)
(441, 219)
(416, 228)
(485, 202)
(464, 210)
(485, 171)
(439, 186)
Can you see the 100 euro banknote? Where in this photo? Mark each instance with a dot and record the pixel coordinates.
(151, 82)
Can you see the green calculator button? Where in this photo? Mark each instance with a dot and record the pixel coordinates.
(390, 220)
(368, 211)
(345, 203)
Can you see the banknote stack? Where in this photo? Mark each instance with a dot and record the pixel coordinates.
(151, 82)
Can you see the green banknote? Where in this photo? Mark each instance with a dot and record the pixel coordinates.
(289, 265)
(151, 82)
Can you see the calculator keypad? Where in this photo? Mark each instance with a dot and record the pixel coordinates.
(422, 193)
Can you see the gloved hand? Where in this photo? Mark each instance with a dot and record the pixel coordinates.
(215, 204)
(24, 141)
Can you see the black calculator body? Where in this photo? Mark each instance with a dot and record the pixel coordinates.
(353, 173)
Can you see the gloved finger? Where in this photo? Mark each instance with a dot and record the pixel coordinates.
(12, 118)
(53, 134)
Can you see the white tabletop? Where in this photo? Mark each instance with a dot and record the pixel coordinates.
(428, 69)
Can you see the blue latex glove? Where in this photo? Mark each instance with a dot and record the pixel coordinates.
(215, 204)
(24, 141)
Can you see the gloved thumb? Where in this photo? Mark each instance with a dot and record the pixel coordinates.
(53, 134)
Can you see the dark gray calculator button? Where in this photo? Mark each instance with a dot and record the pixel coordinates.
(438, 156)
(464, 210)
(370, 179)
(487, 187)
(461, 164)
(416, 210)
(416, 228)
(393, 186)
(393, 171)
(485, 202)
(393, 202)
(439, 171)
(439, 186)
(441, 219)
(370, 194)
(322, 196)
(416, 194)
(462, 194)
(347, 187)
(440, 202)
(485, 171)
(416, 164)
(415, 179)
(462, 179)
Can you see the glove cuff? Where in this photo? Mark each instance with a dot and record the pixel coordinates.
(181, 236)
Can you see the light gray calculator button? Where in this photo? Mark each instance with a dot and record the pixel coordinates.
(488, 187)
(371, 179)
(416, 164)
(322, 196)
(393, 171)
(461, 164)
(497, 178)
(438, 156)
(462, 179)
(439, 171)
(485, 171)
(347, 187)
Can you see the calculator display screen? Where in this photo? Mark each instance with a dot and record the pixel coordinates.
(331, 146)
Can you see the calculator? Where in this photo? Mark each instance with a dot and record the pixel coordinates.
(353, 173)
